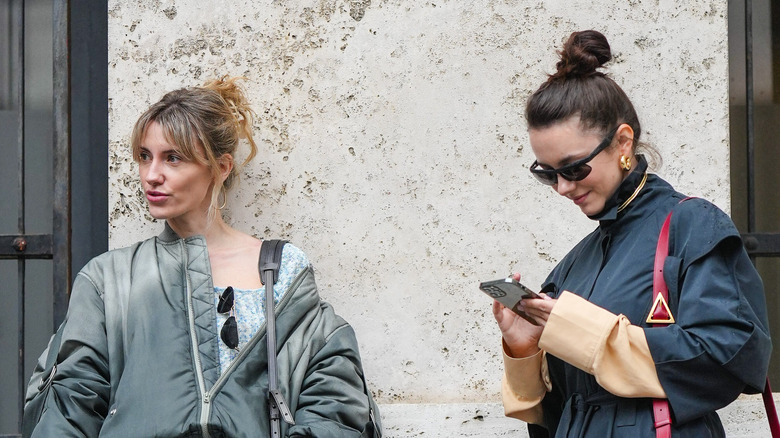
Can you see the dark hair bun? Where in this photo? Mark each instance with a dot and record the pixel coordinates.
(582, 54)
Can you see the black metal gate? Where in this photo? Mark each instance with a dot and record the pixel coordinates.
(53, 63)
(755, 111)
(18, 244)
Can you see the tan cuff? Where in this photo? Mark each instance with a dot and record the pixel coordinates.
(625, 366)
(524, 385)
(603, 344)
(574, 314)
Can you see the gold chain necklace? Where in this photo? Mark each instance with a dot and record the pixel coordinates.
(633, 195)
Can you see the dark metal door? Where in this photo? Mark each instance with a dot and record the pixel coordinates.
(53, 142)
(754, 57)
(34, 205)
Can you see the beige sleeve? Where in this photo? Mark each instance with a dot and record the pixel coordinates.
(603, 344)
(524, 385)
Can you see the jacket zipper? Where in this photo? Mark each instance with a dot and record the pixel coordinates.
(204, 410)
(249, 346)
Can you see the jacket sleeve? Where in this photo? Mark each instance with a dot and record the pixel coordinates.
(333, 400)
(720, 344)
(78, 398)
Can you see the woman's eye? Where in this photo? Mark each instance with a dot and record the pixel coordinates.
(174, 158)
(143, 156)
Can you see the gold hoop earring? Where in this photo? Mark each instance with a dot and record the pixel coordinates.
(625, 162)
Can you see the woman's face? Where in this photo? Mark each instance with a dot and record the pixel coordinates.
(566, 142)
(178, 190)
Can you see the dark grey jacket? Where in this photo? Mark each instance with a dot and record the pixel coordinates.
(139, 356)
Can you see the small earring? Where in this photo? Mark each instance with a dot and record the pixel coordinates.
(625, 162)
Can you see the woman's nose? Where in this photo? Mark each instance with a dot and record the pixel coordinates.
(153, 174)
(564, 186)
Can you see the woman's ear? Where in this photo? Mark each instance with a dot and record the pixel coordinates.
(225, 163)
(625, 138)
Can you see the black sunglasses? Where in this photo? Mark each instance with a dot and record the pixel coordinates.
(575, 171)
(229, 332)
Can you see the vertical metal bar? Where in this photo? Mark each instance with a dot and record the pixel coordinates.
(6, 79)
(61, 238)
(19, 73)
(750, 104)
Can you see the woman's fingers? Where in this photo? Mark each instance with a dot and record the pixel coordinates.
(538, 315)
(539, 309)
(498, 309)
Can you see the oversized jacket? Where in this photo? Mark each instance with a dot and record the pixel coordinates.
(719, 345)
(139, 355)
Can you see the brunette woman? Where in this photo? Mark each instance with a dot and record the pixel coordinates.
(594, 364)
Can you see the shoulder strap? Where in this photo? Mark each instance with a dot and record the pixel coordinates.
(268, 265)
(771, 412)
(661, 316)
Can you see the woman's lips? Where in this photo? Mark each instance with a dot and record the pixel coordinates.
(156, 197)
(580, 199)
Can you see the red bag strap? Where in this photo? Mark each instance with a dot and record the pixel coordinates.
(661, 316)
(660, 313)
(771, 412)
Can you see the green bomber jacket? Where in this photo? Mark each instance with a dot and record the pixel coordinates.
(139, 356)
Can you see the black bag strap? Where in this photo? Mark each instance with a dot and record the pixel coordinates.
(268, 265)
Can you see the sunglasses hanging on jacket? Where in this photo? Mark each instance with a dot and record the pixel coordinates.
(229, 332)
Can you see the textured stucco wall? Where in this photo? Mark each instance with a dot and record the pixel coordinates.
(393, 149)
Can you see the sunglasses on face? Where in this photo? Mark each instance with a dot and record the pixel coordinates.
(229, 332)
(575, 171)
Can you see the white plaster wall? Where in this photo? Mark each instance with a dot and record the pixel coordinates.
(394, 152)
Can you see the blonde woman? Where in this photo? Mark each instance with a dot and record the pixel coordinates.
(167, 337)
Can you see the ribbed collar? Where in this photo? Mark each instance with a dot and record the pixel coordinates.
(624, 191)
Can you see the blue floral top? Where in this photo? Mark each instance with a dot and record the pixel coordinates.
(249, 304)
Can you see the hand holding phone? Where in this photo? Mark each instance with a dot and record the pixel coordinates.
(509, 292)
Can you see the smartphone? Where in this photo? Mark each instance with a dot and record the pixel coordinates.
(509, 292)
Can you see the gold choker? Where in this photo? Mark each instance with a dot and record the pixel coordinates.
(633, 195)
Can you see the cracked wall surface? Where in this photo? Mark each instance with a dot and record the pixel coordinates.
(394, 153)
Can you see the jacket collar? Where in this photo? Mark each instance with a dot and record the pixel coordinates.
(169, 236)
(624, 191)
